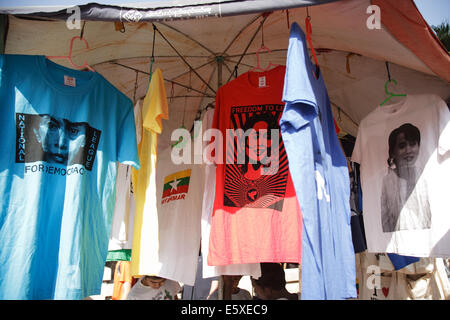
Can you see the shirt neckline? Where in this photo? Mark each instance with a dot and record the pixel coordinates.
(395, 108)
(258, 74)
(45, 65)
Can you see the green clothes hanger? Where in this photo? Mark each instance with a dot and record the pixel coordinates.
(180, 143)
(390, 94)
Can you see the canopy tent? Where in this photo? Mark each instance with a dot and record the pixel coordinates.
(198, 55)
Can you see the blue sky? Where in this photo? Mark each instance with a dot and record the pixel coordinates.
(434, 11)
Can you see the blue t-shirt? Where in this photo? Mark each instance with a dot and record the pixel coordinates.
(319, 170)
(63, 131)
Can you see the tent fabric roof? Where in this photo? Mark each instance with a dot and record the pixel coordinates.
(404, 21)
(352, 57)
(162, 10)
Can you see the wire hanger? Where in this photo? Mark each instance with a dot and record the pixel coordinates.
(261, 49)
(85, 65)
(390, 94)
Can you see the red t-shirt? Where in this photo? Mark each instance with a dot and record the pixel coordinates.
(256, 217)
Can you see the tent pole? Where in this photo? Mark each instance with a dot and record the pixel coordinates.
(4, 23)
(248, 45)
(184, 60)
(171, 81)
(220, 60)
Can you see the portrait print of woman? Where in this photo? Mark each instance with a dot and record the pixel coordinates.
(404, 195)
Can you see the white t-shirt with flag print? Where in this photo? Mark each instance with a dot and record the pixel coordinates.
(179, 203)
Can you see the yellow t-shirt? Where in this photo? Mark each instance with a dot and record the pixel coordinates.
(145, 244)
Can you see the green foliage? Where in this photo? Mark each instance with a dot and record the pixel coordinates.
(443, 33)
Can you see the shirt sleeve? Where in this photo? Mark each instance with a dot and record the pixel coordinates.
(126, 139)
(298, 93)
(298, 115)
(155, 106)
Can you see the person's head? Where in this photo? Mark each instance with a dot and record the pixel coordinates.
(404, 143)
(153, 281)
(259, 140)
(272, 282)
(60, 138)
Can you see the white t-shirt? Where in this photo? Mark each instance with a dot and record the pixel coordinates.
(405, 182)
(166, 292)
(179, 204)
(121, 236)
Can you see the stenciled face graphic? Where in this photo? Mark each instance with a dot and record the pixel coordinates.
(405, 152)
(259, 141)
(60, 139)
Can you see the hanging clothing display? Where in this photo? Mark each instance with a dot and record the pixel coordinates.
(251, 269)
(122, 276)
(356, 220)
(378, 279)
(202, 286)
(63, 132)
(179, 209)
(399, 262)
(256, 216)
(405, 176)
(154, 109)
(321, 178)
(121, 238)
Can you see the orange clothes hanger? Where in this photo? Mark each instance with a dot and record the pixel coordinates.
(308, 38)
(69, 56)
(261, 49)
(258, 66)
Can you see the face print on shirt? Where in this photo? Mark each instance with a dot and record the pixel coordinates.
(260, 180)
(404, 199)
(55, 140)
(60, 139)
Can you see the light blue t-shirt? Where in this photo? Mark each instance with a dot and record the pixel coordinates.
(63, 131)
(319, 171)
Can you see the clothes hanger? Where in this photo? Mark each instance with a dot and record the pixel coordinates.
(180, 139)
(308, 38)
(261, 49)
(390, 94)
(198, 115)
(85, 65)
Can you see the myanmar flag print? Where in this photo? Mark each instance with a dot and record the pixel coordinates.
(176, 186)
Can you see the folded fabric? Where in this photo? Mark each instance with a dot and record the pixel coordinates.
(399, 262)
